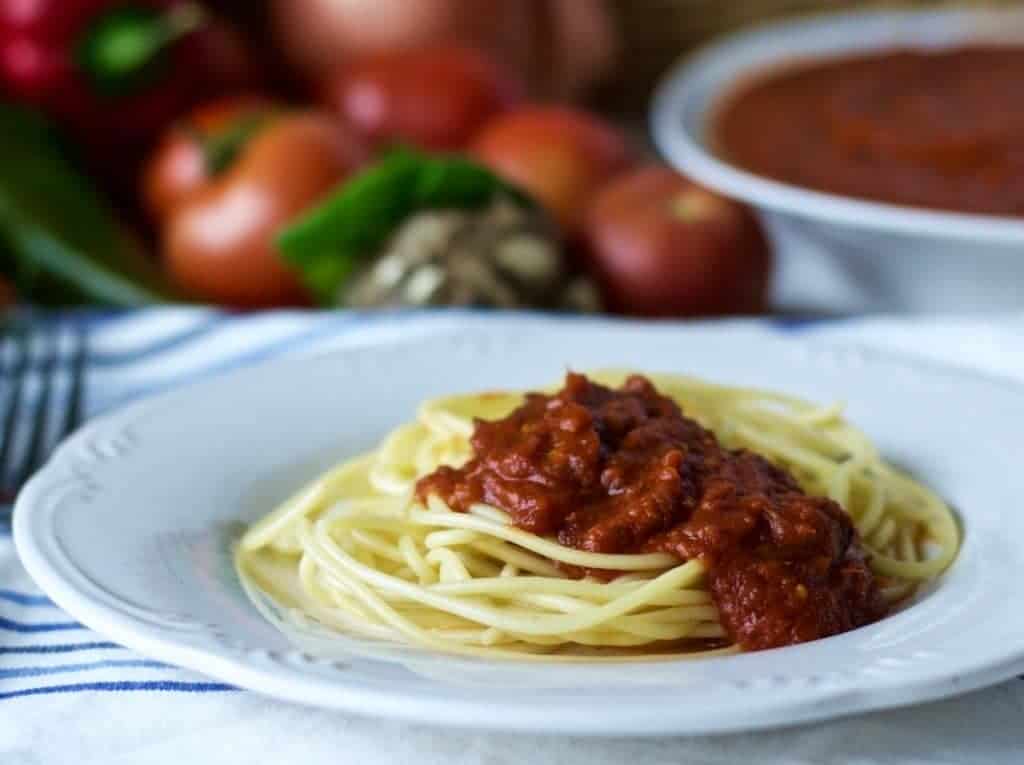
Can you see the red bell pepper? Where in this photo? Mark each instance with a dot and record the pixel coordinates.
(116, 72)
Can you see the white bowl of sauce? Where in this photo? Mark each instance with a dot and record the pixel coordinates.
(876, 149)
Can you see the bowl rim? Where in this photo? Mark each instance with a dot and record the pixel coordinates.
(687, 149)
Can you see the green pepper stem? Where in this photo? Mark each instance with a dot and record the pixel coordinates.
(121, 50)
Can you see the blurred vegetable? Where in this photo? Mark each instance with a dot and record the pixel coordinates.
(663, 246)
(558, 47)
(115, 72)
(195, 150)
(582, 45)
(433, 98)
(218, 234)
(561, 156)
(503, 255)
(330, 242)
(59, 242)
(8, 295)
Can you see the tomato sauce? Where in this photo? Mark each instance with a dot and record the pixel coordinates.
(937, 129)
(624, 471)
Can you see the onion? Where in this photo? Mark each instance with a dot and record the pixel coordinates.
(584, 46)
(560, 46)
(316, 34)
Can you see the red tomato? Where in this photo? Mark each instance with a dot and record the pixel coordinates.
(561, 156)
(219, 241)
(434, 98)
(179, 165)
(663, 246)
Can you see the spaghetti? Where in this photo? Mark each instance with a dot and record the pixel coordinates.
(360, 551)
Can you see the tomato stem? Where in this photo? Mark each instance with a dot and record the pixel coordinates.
(221, 149)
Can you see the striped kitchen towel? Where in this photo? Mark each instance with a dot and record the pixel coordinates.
(70, 695)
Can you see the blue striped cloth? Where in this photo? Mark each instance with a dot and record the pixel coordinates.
(69, 695)
(42, 651)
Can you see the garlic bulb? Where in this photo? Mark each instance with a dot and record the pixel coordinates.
(503, 256)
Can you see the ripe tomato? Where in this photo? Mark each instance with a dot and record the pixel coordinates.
(434, 98)
(182, 162)
(218, 243)
(561, 156)
(661, 245)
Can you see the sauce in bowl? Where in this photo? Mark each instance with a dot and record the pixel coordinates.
(936, 129)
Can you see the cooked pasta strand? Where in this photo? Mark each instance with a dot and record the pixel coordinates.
(355, 552)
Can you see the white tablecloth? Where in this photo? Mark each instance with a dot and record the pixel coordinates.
(69, 696)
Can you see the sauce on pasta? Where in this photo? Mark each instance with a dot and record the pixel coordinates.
(938, 129)
(624, 471)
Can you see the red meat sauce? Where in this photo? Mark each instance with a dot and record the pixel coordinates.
(624, 471)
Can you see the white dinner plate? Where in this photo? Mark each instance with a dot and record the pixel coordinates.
(130, 527)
